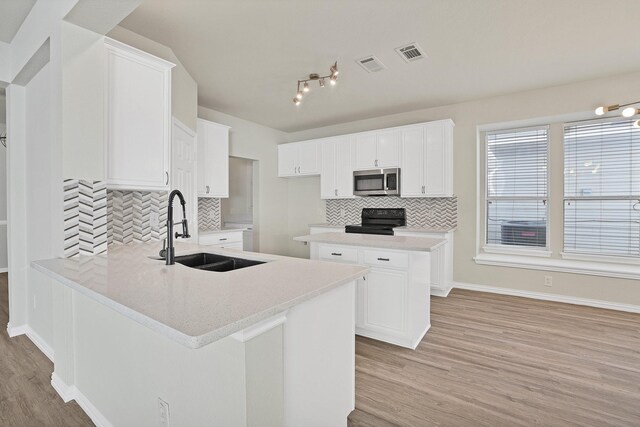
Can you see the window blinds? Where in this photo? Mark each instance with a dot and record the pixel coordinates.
(602, 188)
(516, 192)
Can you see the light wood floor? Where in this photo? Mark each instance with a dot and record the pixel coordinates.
(26, 396)
(493, 360)
(488, 360)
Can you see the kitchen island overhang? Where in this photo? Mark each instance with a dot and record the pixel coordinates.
(271, 344)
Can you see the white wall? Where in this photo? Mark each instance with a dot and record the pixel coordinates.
(252, 141)
(238, 207)
(581, 97)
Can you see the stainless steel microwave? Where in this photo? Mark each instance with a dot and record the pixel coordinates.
(377, 182)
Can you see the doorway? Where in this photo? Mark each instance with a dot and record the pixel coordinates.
(238, 209)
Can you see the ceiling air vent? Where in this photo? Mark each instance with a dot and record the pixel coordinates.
(411, 52)
(371, 64)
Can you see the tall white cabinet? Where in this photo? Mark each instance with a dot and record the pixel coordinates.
(213, 159)
(137, 118)
(427, 160)
(336, 174)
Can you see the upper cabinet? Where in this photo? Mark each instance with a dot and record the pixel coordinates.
(378, 149)
(138, 118)
(213, 159)
(299, 159)
(336, 176)
(427, 160)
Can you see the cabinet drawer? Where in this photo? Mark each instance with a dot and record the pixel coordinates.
(338, 254)
(386, 259)
(220, 238)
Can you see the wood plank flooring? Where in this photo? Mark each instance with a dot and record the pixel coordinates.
(495, 360)
(26, 396)
(488, 360)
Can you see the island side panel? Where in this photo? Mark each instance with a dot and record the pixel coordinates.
(319, 360)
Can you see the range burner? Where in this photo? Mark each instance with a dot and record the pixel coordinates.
(378, 221)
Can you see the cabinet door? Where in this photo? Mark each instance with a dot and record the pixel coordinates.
(385, 300)
(287, 160)
(436, 164)
(218, 160)
(137, 122)
(366, 151)
(328, 188)
(308, 157)
(412, 175)
(344, 167)
(204, 189)
(389, 149)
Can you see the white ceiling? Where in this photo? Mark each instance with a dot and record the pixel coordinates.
(246, 55)
(12, 14)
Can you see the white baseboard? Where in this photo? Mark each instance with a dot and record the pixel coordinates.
(4, 270)
(45, 348)
(550, 297)
(440, 292)
(68, 393)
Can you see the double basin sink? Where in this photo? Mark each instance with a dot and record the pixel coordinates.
(214, 262)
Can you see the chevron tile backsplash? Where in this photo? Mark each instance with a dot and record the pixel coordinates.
(209, 216)
(440, 212)
(85, 217)
(129, 215)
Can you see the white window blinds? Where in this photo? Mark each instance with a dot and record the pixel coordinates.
(516, 190)
(602, 188)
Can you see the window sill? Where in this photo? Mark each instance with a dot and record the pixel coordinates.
(601, 258)
(513, 250)
(606, 269)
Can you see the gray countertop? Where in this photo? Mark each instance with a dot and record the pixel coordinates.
(424, 244)
(405, 228)
(190, 306)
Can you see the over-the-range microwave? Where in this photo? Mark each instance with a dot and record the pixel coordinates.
(377, 182)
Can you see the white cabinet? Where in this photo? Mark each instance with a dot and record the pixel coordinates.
(427, 160)
(377, 149)
(441, 260)
(336, 174)
(299, 159)
(213, 159)
(222, 239)
(137, 118)
(392, 300)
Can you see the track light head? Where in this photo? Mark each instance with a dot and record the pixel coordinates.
(334, 69)
(321, 82)
(299, 95)
(296, 100)
(333, 79)
(630, 112)
(305, 88)
(636, 124)
(600, 111)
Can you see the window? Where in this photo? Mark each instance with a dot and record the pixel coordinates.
(602, 188)
(516, 187)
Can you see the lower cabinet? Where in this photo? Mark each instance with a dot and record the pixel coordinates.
(392, 301)
(222, 239)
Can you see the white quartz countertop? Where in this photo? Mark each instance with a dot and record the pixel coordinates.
(406, 243)
(222, 230)
(404, 228)
(191, 306)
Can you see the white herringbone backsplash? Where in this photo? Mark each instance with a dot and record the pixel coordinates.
(209, 216)
(439, 212)
(129, 215)
(85, 217)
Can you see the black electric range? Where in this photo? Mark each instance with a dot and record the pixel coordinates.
(379, 221)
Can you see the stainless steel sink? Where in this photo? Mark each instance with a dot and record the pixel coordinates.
(214, 262)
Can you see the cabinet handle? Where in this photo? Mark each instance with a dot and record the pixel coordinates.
(167, 181)
(221, 240)
(376, 162)
(298, 169)
(423, 189)
(207, 189)
(383, 259)
(336, 254)
(335, 192)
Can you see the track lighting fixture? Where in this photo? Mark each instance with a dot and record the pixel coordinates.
(630, 110)
(636, 124)
(332, 76)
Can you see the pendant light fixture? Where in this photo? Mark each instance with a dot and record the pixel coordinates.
(332, 76)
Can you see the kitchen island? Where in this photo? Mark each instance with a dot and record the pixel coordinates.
(136, 341)
(393, 300)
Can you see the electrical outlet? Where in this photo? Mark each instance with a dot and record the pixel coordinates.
(548, 281)
(154, 220)
(163, 413)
